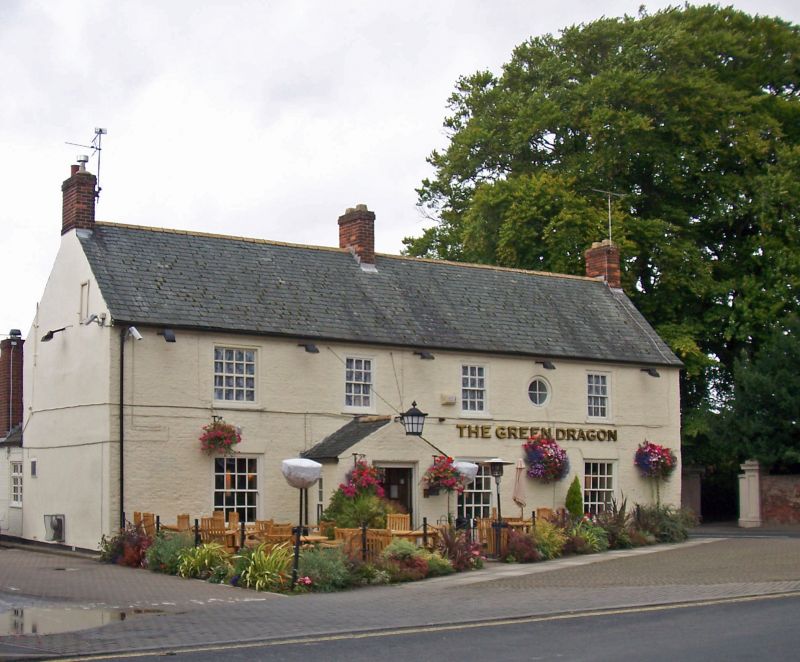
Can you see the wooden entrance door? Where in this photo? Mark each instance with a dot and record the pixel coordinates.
(397, 485)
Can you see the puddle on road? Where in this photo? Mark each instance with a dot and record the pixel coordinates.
(53, 620)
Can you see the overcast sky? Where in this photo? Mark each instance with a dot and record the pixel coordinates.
(259, 119)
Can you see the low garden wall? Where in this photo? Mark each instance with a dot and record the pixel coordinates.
(780, 499)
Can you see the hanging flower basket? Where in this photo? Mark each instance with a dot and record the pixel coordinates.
(363, 478)
(654, 460)
(547, 461)
(219, 438)
(442, 475)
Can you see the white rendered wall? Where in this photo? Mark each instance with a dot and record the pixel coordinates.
(68, 405)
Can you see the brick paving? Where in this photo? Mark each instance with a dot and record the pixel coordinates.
(199, 613)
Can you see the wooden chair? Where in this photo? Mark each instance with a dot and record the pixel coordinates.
(377, 541)
(262, 527)
(137, 518)
(398, 522)
(281, 529)
(149, 524)
(233, 520)
(487, 536)
(213, 530)
(544, 513)
(219, 514)
(183, 522)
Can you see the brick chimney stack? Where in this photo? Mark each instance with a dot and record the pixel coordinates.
(602, 260)
(357, 232)
(79, 197)
(10, 382)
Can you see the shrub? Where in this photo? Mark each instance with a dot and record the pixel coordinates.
(326, 567)
(200, 561)
(462, 554)
(268, 568)
(666, 523)
(550, 539)
(164, 554)
(521, 548)
(128, 547)
(406, 570)
(616, 521)
(222, 573)
(574, 500)
(350, 512)
(640, 538)
(438, 565)
(584, 537)
(401, 549)
(363, 574)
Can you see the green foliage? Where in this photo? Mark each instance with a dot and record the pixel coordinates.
(586, 538)
(200, 561)
(222, 573)
(350, 512)
(128, 547)
(366, 574)
(616, 521)
(574, 500)
(666, 523)
(402, 550)
(550, 539)
(693, 115)
(763, 417)
(267, 568)
(327, 567)
(437, 564)
(164, 554)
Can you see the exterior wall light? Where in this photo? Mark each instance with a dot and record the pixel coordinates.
(310, 347)
(425, 355)
(547, 365)
(169, 335)
(651, 371)
(413, 420)
(47, 337)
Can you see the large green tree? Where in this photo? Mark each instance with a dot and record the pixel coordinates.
(764, 416)
(692, 116)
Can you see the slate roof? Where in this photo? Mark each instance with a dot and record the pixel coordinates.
(347, 436)
(191, 280)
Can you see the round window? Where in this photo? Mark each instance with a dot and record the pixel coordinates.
(538, 392)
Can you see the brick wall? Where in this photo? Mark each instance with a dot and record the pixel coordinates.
(602, 259)
(780, 499)
(10, 384)
(78, 201)
(357, 232)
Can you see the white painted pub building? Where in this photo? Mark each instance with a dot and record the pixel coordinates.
(143, 335)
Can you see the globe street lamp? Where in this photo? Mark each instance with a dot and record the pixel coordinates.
(302, 474)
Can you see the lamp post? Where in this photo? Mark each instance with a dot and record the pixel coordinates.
(302, 474)
(496, 465)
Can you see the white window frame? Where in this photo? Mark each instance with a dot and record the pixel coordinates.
(351, 368)
(229, 494)
(478, 496)
(596, 399)
(233, 377)
(16, 484)
(598, 485)
(548, 391)
(469, 384)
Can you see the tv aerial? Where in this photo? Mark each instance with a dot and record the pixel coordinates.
(608, 195)
(97, 148)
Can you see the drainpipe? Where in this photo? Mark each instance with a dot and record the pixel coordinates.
(123, 332)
